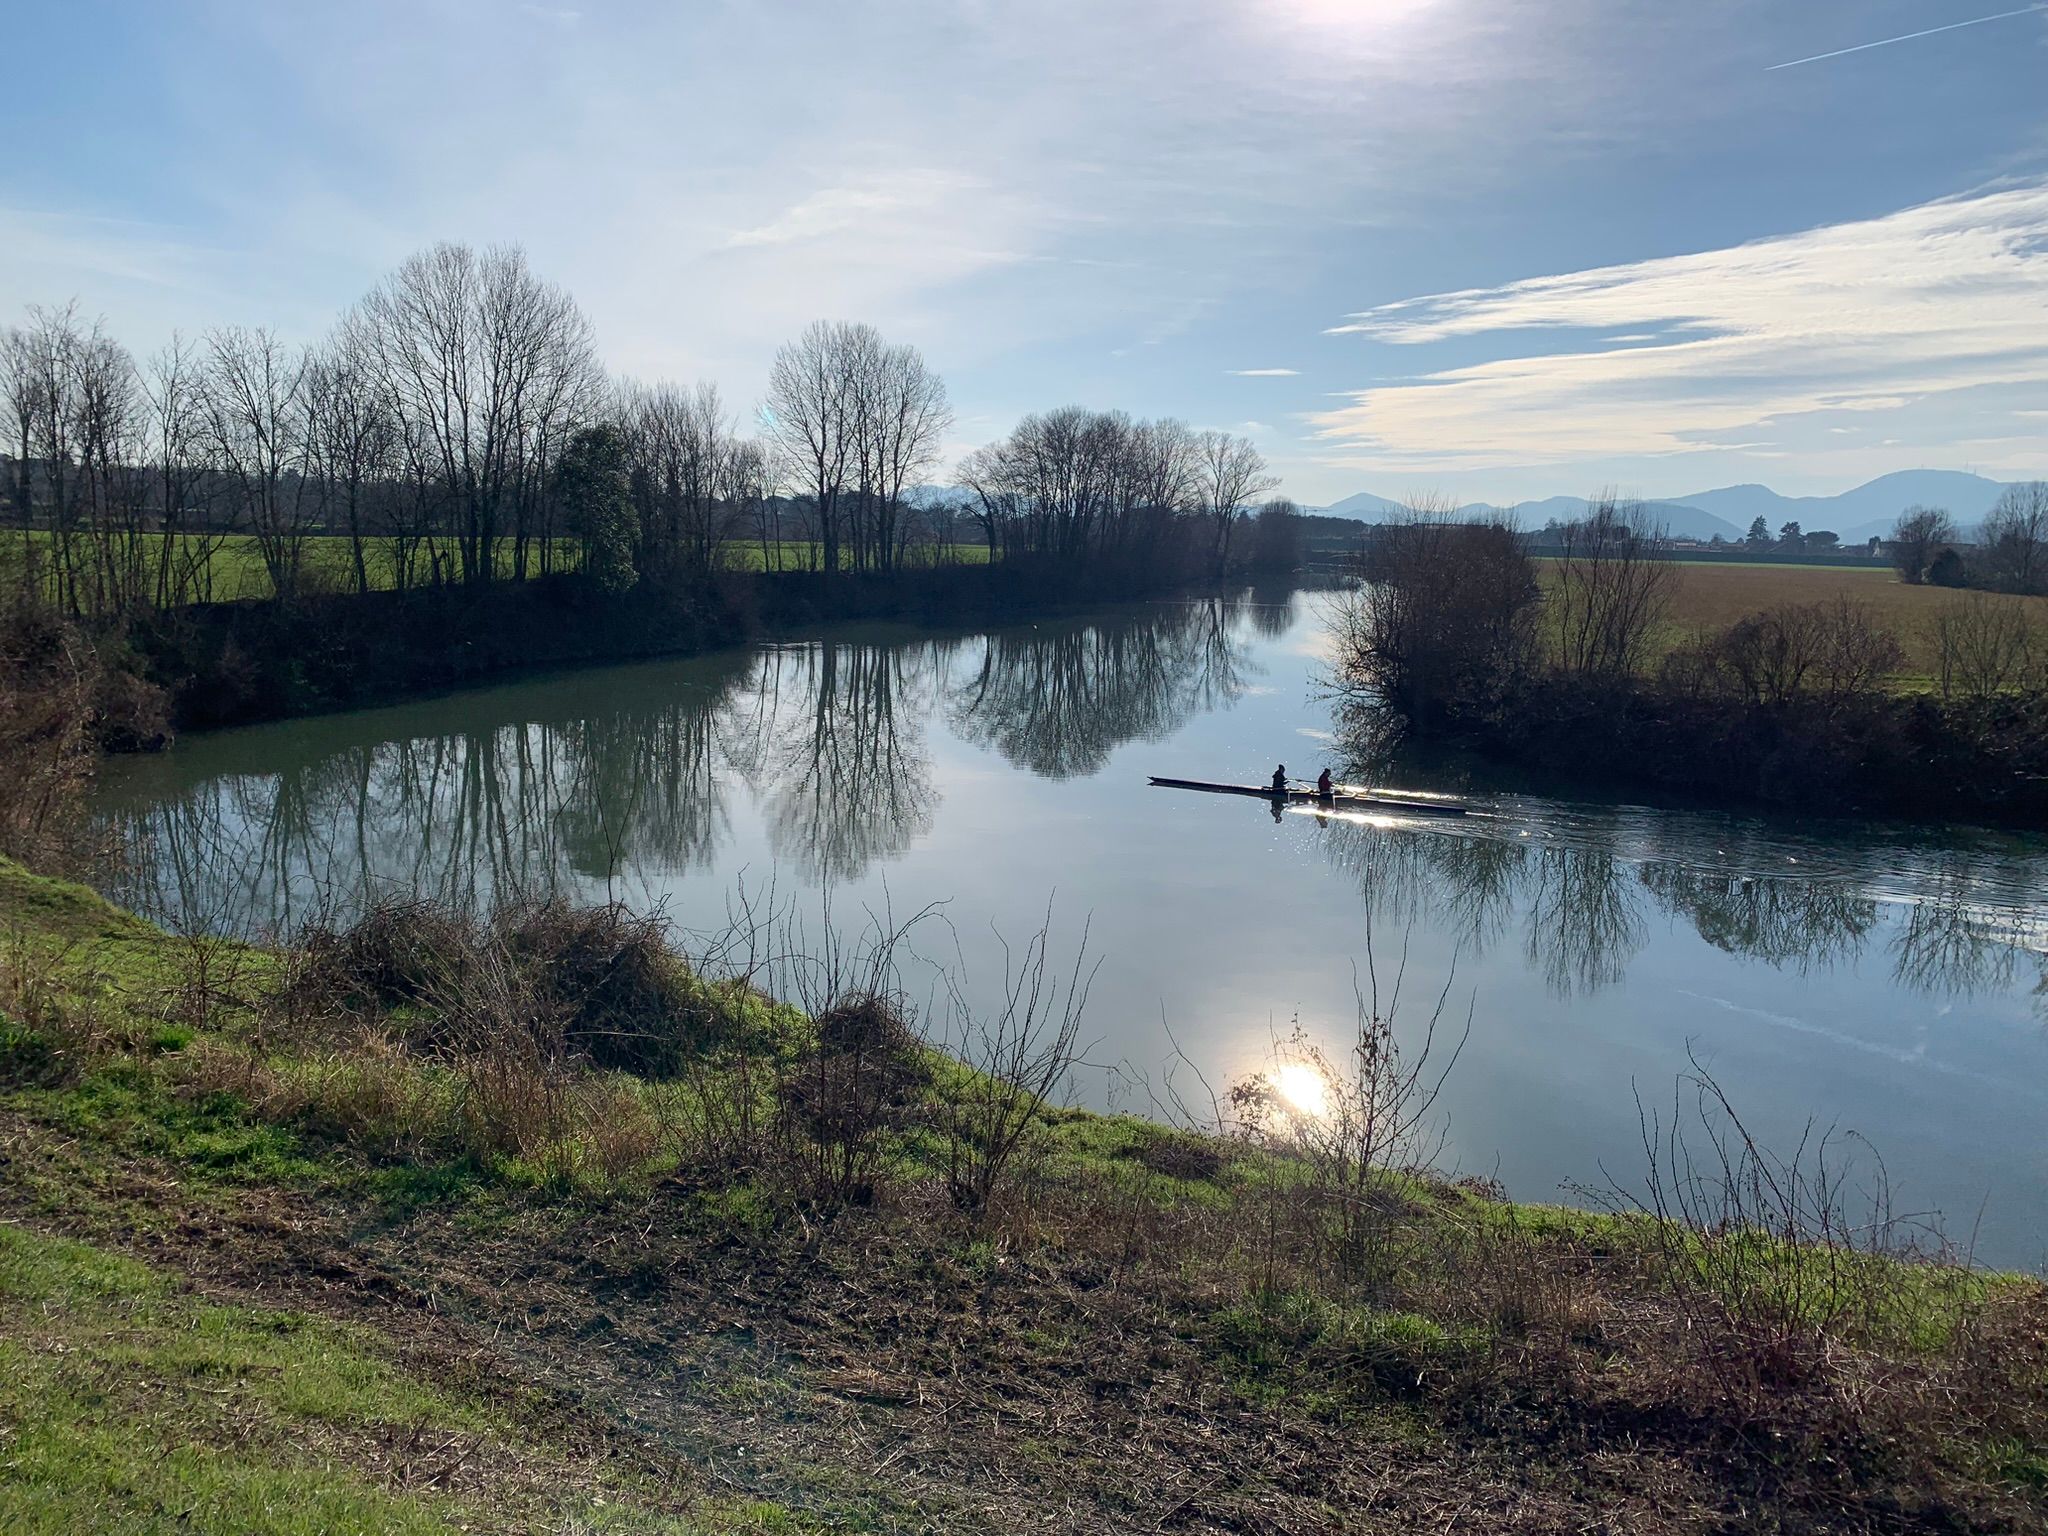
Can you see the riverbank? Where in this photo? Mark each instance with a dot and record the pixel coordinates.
(241, 663)
(632, 1232)
(1911, 758)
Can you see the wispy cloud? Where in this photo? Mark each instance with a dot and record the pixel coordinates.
(1896, 316)
(1263, 373)
(1908, 37)
(873, 203)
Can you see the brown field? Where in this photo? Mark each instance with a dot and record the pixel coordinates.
(1710, 597)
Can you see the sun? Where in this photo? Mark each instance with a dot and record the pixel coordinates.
(1354, 14)
(1302, 1088)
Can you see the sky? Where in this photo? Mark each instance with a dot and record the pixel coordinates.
(1471, 248)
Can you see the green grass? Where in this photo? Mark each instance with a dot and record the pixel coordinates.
(130, 1406)
(230, 567)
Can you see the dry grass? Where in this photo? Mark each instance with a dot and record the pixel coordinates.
(1708, 598)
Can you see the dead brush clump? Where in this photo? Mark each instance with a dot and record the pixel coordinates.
(598, 983)
(855, 1085)
(867, 1023)
(420, 1030)
(400, 953)
(622, 997)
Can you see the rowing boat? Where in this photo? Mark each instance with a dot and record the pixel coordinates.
(1352, 800)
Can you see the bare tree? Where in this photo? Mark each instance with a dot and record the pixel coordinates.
(1919, 535)
(2015, 539)
(490, 369)
(696, 484)
(106, 429)
(997, 505)
(1984, 647)
(255, 393)
(1357, 1118)
(352, 439)
(39, 391)
(1022, 1049)
(1832, 651)
(1444, 622)
(177, 437)
(903, 417)
(1231, 475)
(809, 417)
(1610, 590)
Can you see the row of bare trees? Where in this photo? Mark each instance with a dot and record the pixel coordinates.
(426, 437)
(422, 429)
(1072, 482)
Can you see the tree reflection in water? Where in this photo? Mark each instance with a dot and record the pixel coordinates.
(1580, 894)
(1058, 699)
(537, 789)
(847, 765)
(591, 780)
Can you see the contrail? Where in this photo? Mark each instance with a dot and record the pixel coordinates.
(1978, 21)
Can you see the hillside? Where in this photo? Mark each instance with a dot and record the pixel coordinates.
(1856, 515)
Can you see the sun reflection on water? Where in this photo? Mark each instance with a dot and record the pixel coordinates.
(1301, 1087)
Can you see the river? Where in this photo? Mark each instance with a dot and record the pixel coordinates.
(1884, 981)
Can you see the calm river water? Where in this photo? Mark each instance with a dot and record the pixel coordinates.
(1887, 981)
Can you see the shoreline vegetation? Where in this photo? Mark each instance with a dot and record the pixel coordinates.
(1583, 666)
(535, 1220)
(449, 484)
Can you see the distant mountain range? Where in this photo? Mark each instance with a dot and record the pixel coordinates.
(1855, 515)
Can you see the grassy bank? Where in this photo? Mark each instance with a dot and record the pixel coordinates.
(130, 1403)
(439, 1220)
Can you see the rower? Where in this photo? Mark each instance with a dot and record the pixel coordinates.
(1325, 790)
(1280, 780)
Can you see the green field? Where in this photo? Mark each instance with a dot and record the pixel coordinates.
(230, 568)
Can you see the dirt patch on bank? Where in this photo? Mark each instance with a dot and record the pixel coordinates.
(863, 1373)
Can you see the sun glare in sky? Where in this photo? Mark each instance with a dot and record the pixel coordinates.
(1360, 15)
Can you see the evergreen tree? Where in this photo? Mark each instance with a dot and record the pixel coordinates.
(591, 484)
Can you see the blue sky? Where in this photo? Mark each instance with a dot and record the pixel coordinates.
(1492, 250)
